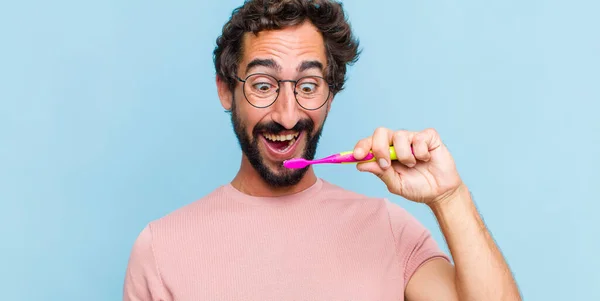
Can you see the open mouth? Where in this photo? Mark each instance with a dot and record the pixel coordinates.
(279, 142)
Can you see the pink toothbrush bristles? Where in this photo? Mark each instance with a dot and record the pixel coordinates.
(296, 163)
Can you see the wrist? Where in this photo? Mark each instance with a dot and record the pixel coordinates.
(460, 194)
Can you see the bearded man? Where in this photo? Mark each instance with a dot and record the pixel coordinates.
(274, 233)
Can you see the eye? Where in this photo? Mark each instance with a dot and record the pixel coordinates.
(307, 87)
(263, 87)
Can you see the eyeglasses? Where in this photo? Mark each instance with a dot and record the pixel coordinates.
(262, 90)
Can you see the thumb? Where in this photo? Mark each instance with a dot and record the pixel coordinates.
(371, 167)
(388, 176)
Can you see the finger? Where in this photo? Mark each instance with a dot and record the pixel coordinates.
(362, 148)
(402, 145)
(432, 139)
(421, 147)
(381, 146)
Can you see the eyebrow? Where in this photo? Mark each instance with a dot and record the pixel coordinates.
(310, 65)
(269, 63)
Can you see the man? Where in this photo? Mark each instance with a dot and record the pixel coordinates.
(280, 234)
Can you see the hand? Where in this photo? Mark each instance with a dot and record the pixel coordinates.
(427, 174)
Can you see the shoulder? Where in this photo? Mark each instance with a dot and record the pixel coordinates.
(195, 211)
(414, 243)
(399, 216)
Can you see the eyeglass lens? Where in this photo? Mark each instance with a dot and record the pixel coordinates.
(262, 90)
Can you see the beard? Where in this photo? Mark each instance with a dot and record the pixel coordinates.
(279, 177)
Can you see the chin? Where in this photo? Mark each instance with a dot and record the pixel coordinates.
(277, 176)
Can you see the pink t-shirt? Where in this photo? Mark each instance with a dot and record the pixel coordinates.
(324, 243)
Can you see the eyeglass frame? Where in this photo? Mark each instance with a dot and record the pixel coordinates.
(279, 81)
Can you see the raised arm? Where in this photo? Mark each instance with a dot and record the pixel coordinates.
(480, 271)
(424, 171)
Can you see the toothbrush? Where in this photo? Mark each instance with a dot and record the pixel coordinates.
(344, 157)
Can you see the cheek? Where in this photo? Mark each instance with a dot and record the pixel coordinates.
(318, 118)
(246, 113)
(252, 118)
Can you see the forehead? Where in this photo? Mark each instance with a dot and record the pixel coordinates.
(288, 47)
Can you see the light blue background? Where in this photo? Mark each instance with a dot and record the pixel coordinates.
(109, 118)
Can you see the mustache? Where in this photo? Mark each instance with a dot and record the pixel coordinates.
(274, 127)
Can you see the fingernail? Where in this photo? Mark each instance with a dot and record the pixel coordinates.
(359, 153)
(383, 163)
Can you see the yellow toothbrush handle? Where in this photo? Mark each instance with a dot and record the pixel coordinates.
(392, 156)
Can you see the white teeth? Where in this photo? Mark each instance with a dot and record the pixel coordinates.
(288, 146)
(288, 137)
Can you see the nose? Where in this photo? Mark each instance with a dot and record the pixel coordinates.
(286, 112)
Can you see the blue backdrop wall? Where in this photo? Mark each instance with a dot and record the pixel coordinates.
(109, 112)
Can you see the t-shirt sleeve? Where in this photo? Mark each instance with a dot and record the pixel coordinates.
(414, 243)
(142, 278)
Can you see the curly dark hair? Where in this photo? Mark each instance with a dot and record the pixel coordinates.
(257, 15)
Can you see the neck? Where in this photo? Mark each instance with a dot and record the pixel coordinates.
(248, 181)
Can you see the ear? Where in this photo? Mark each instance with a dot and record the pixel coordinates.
(329, 102)
(225, 95)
